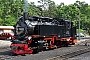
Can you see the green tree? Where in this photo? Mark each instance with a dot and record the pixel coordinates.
(9, 10)
(33, 9)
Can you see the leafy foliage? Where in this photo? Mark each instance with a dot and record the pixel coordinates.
(10, 10)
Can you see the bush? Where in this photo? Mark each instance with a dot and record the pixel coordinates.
(81, 31)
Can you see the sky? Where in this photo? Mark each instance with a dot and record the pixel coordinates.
(66, 2)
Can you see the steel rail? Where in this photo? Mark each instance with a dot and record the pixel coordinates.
(71, 54)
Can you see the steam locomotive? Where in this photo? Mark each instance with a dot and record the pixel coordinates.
(35, 34)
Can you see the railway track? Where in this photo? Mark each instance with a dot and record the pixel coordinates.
(71, 54)
(6, 54)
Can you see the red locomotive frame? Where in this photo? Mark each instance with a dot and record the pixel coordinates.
(51, 41)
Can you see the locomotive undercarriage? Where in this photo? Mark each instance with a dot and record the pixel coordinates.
(37, 44)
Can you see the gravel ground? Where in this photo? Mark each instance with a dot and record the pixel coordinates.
(85, 56)
(48, 54)
(4, 44)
